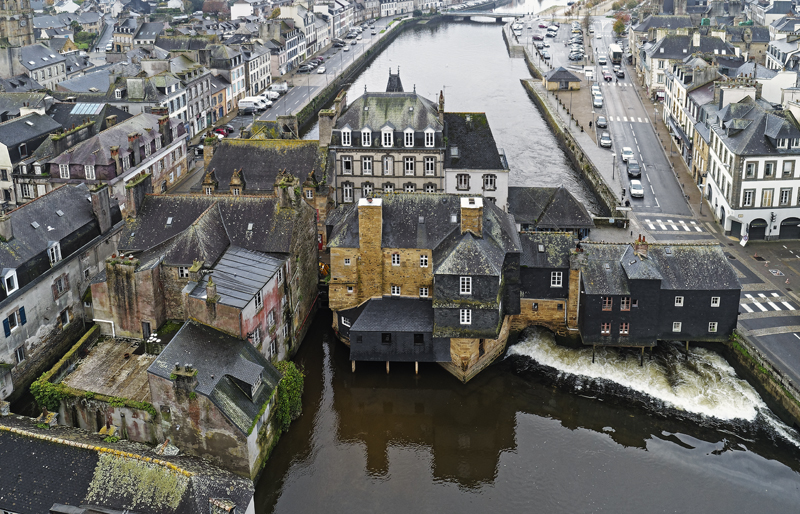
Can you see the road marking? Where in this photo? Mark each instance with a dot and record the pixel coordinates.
(640, 151)
(774, 306)
(663, 227)
(656, 199)
(761, 307)
(650, 224)
(672, 224)
(617, 118)
(640, 119)
(747, 307)
(625, 119)
(683, 224)
(696, 227)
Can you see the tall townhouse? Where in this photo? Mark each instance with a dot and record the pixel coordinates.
(196, 81)
(229, 63)
(257, 73)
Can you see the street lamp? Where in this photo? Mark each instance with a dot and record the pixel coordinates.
(703, 192)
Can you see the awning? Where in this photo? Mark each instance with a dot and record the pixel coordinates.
(676, 129)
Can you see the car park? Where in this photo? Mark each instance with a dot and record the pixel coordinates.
(627, 153)
(634, 170)
(353, 42)
(575, 57)
(360, 37)
(637, 191)
(601, 122)
(605, 140)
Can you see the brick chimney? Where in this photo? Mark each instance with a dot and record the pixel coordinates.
(640, 247)
(114, 153)
(370, 235)
(135, 192)
(101, 207)
(6, 231)
(472, 216)
(164, 130)
(134, 146)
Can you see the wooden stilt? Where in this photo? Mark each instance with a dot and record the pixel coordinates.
(651, 353)
(641, 359)
(687, 350)
(353, 365)
(416, 367)
(387, 367)
(592, 354)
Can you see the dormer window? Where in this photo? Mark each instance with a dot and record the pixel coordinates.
(10, 281)
(408, 138)
(63, 170)
(387, 137)
(89, 171)
(117, 94)
(158, 142)
(366, 138)
(346, 139)
(54, 252)
(430, 136)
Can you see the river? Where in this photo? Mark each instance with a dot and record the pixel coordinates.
(544, 429)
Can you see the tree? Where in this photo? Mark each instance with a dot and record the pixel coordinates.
(619, 26)
(290, 394)
(631, 4)
(275, 13)
(616, 6)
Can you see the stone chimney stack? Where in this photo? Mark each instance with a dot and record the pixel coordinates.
(164, 130)
(370, 236)
(441, 107)
(111, 120)
(472, 216)
(696, 39)
(133, 145)
(209, 145)
(135, 192)
(6, 232)
(327, 118)
(101, 207)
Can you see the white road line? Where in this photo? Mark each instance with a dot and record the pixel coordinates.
(774, 306)
(672, 224)
(788, 306)
(640, 151)
(747, 307)
(683, 224)
(663, 227)
(656, 199)
(763, 309)
(640, 119)
(776, 295)
(625, 119)
(618, 118)
(650, 224)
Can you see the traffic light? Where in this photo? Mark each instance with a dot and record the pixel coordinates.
(772, 217)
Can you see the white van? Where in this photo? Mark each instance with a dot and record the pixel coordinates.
(256, 102)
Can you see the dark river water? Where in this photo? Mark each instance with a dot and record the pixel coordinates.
(544, 429)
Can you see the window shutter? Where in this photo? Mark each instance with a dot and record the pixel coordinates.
(66, 282)
(54, 287)
(6, 327)
(22, 318)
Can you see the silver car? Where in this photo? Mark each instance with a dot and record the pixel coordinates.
(637, 191)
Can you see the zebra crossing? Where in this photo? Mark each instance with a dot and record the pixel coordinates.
(679, 226)
(630, 120)
(620, 84)
(760, 301)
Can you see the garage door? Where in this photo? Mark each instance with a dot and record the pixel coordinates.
(736, 229)
(758, 229)
(790, 229)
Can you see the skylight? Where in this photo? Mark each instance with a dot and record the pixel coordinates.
(60, 213)
(34, 224)
(169, 220)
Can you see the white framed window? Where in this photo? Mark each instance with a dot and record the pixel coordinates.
(715, 301)
(465, 285)
(271, 318)
(89, 171)
(347, 165)
(395, 290)
(158, 142)
(786, 195)
(423, 292)
(430, 188)
(19, 353)
(747, 200)
(679, 301)
(429, 138)
(366, 189)
(387, 138)
(349, 289)
(676, 326)
(209, 190)
(388, 188)
(126, 162)
(465, 316)
(490, 182)
(347, 192)
(256, 336)
(409, 188)
(366, 138)
(556, 278)
(712, 326)
(462, 181)
(63, 170)
(395, 259)
(423, 261)
(54, 252)
(147, 149)
(280, 276)
(10, 281)
(345, 322)
(346, 137)
(310, 194)
(366, 165)
(347, 261)
(430, 166)
(388, 165)
(408, 139)
(259, 300)
(408, 165)
(183, 272)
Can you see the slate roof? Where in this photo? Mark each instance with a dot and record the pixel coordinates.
(665, 22)
(149, 30)
(552, 208)
(26, 128)
(477, 148)
(261, 160)
(41, 473)
(560, 74)
(69, 114)
(786, 24)
(755, 70)
(19, 84)
(678, 47)
(395, 315)
(221, 360)
(239, 275)
(546, 249)
(10, 103)
(400, 110)
(38, 56)
(76, 63)
(394, 85)
(601, 271)
(174, 43)
(745, 128)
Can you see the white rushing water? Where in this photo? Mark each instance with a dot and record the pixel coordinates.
(705, 384)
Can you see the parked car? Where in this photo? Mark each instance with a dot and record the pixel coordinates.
(595, 89)
(321, 70)
(575, 57)
(338, 45)
(538, 37)
(359, 37)
(637, 191)
(605, 140)
(542, 25)
(601, 122)
(550, 34)
(539, 45)
(607, 76)
(346, 49)
(545, 55)
(373, 32)
(627, 153)
(634, 170)
(353, 42)
(602, 59)
(597, 101)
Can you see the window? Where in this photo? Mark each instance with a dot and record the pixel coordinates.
(786, 195)
(158, 143)
(347, 192)
(556, 278)
(347, 261)
(430, 166)
(366, 138)
(409, 138)
(19, 353)
(625, 303)
(465, 285)
(10, 281)
(395, 290)
(366, 189)
(63, 170)
(259, 300)
(347, 165)
(766, 198)
(423, 292)
(605, 329)
(386, 337)
(345, 322)
(346, 139)
(87, 273)
(23, 150)
(712, 326)
(280, 276)
(54, 252)
(676, 326)
(608, 302)
(387, 138)
(256, 336)
(388, 188)
(465, 315)
(409, 188)
(209, 191)
(419, 339)
(388, 166)
(183, 272)
(350, 289)
(126, 162)
(788, 168)
(366, 165)
(634, 303)
(147, 149)
(429, 138)
(60, 286)
(769, 168)
(395, 259)
(408, 165)
(271, 319)
(535, 306)
(310, 194)
(624, 329)
(423, 261)
(489, 182)
(462, 181)
(430, 188)
(750, 170)
(715, 301)
(679, 301)
(747, 199)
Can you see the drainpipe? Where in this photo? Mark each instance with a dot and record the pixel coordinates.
(113, 332)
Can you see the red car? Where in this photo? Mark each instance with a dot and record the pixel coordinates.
(542, 25)
(538, 37)
(607, 76)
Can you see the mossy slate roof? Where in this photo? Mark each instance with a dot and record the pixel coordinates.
(399, 110)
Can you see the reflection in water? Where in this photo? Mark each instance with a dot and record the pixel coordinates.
(370, 441)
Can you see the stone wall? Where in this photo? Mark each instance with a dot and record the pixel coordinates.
(547, 313)
(471, 356)
(303, 273)
(129, 297)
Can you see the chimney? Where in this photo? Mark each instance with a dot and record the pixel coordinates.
(209, 145)
(101, 207)
(164, 130)
(194, 270)
(114, 152)
(6, 232)
(370, 235)
(185, 378)
(211, 290)
(135, 192)
(640, 247)
(441, 106)
(111, 120)
(285, 183)
(472, 216)
(289, 121)
(327, 118)
(133, 145)
(696, 39)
